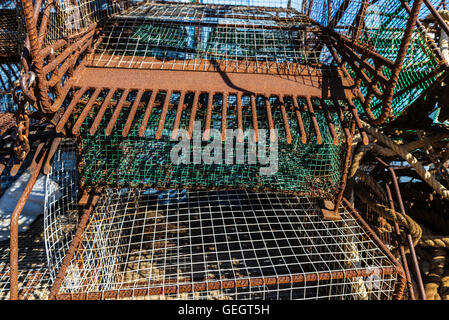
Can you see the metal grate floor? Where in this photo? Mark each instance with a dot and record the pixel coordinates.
(224, 245)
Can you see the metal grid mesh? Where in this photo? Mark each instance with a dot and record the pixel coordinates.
(158, 244)
(61, 211)
(198, 37)
(34, 276)
(67, 18)
(144, 161)
(11, 30)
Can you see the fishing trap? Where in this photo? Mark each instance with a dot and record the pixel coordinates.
(125, 81)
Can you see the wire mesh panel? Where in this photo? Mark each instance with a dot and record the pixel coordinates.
(11, 30)
(11, 36)
(33, 274)
(69, 19)
(273, 38)
(224, 245)
(61, 210)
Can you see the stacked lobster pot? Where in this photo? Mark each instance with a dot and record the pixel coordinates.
(207, 144)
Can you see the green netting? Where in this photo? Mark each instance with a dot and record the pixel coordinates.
(383, 30)
(414, 77)
(135, 161)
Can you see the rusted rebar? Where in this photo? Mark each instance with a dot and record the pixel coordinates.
(14, 227)
(77, 238)
(409, 239)
(401, 246)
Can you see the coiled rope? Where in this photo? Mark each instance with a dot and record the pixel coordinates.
(407, 156)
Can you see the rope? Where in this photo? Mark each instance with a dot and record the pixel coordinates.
(444, 287)
(435, 273)
(434, 241)
(357, 158)
(423, 173)
(418, 144)
(392, 215)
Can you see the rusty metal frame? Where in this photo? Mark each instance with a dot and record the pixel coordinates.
(411, 291)
(50, 71)
(351, 51)
(77, 239)
(411, 247)
(14, 226)
(49, 77)
(41, 160)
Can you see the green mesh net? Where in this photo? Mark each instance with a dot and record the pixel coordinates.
(134, 161)
(385, 23)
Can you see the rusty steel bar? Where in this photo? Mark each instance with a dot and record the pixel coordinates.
(399, 271)
(254, 117)
(116, 113)
(227, 284)
(358, 122)
(102, 110)
(132, 113)
(62, 67)
(147, 114)
(69, 109)
(77, 238)
(86, 109)
(410, 242)
(44, 21)
(270, 118)
(401, 247)
(311, 112)
(362, 49)
(344, 176)
(53, 148)
(288, 134)
(396, 69)
(239, 117)
(302, 130)
(359, 19)
(160, 126)
(179, 111)
(14, 228)
(344, 125)
(193, 114)
(329, 122)
(36, 58)
(224, 111)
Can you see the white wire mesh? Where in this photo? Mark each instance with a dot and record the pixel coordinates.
(34, 278)
(236, 244)
(69, 18)
(61, 213)
(198, 36)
